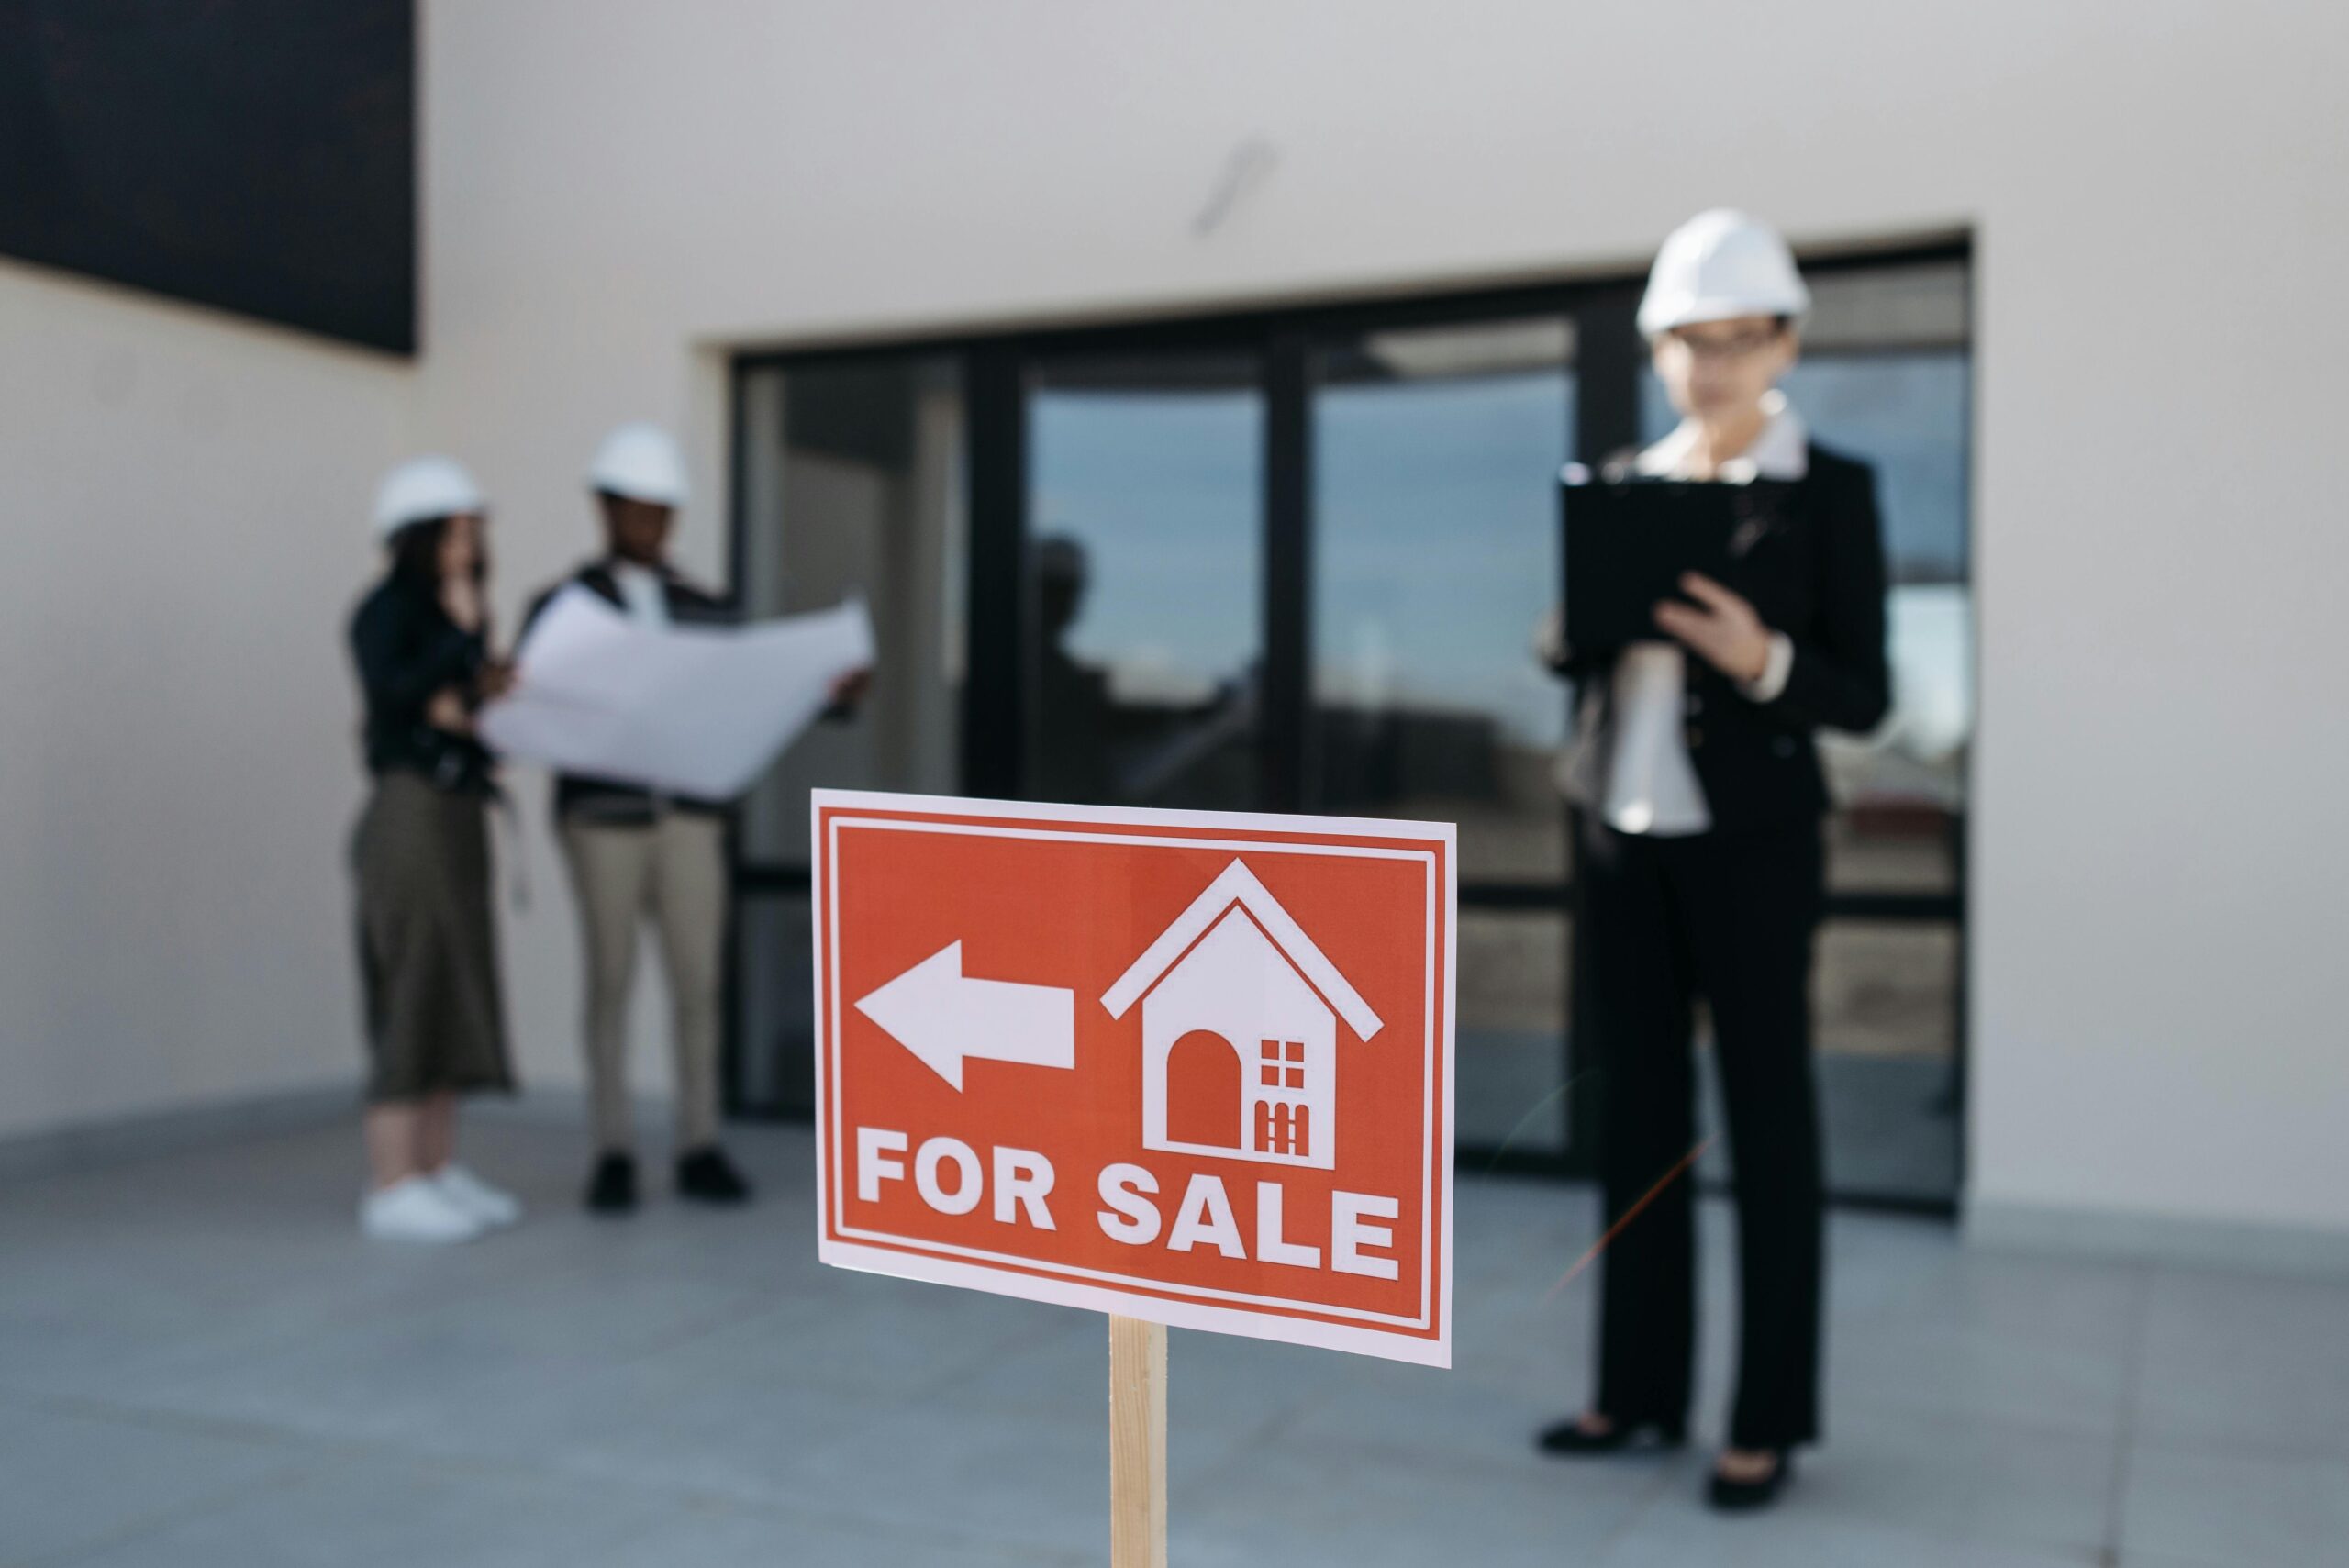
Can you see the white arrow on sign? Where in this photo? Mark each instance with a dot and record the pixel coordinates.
(943, 1016)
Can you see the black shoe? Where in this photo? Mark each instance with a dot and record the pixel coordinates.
(1567, 1440)
(707, 1175)
(612, 1189)
(1746, 1496)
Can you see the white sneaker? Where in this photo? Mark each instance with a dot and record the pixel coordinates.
(475, 1196)
(415, 1210)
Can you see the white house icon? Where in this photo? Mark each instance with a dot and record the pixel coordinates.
(1234, 982)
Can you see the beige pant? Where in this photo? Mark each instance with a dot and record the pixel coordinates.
(674, 870)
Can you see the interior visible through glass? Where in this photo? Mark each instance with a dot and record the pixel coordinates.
(1435, 549)
(1145, 578)
(853, 484)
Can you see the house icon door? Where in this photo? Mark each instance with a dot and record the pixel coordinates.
(1240, 1014)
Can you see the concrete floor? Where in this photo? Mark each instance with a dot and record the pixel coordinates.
(201, 1363)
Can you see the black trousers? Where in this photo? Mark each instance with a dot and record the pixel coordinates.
(1730, 917)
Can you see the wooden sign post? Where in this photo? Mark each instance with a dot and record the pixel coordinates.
(1137, 1444)
(1186, 1068)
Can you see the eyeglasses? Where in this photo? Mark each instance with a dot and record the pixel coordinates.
(1719, 350)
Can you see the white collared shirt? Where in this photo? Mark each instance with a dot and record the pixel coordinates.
(1651, 784)
(643, 593)
(644, 598)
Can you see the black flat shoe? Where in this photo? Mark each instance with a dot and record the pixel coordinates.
(707, 1175)
(1567, 1440)
(1746, 1496)
(612, 1188)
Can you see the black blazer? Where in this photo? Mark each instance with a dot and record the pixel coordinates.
(1815, 573)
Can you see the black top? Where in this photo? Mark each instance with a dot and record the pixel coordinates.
(609, 800)
(407, 649)
(1816, 573)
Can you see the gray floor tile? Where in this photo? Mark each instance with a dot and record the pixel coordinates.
(1515, 1232)
(705, 1539)
(1680, 1534)
(70, 1480)
(414, 1370)
(384, 1512)
(2028, 1342)
(1037, 1481)
(2245, 1362)
(2234, 1510)
(1304, 1499)
(686, 1434)
(1409, 1413)
(1961, 1479)
(201, 1362)
(871, 1334)
(149, 1270)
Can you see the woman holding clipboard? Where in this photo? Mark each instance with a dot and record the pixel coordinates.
(1700, 863)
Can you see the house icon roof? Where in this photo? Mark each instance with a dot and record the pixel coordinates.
(1238, 884)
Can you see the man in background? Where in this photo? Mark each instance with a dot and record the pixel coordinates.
(635, 852)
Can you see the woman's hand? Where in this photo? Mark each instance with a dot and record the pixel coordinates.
(494, 680)
(446, 710)
(1550, 640)
(1721, 626)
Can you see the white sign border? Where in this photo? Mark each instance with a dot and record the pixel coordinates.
(1057, 1286)
(1237, 846)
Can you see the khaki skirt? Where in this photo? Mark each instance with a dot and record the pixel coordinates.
(427, 950)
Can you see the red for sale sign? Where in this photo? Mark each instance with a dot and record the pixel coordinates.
(1192, 1067)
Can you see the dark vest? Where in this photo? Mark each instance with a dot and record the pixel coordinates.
(609, 800)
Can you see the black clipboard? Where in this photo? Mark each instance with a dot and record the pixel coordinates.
(1628, 540)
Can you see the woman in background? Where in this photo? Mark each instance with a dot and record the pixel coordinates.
(426, 945)
(1700, 863)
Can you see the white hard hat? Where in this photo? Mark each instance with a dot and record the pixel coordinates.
(423, 488)
(1718, 265)
(643, 462)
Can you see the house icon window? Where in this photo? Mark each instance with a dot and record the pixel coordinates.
(1239, 1016)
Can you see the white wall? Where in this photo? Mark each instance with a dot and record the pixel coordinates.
(616, 192)
(615, 188)
(184, 497)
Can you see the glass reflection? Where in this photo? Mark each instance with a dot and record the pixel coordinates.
(1145, 578)
(1436, 456)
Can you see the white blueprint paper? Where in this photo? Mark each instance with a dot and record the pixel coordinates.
(691, 710)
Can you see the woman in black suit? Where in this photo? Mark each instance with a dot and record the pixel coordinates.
(1700, 862)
